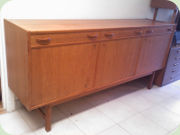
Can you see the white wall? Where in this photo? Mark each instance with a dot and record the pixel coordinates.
(77, 9)
(66, 9)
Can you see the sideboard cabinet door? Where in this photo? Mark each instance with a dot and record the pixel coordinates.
(117, 60)
(153, 53)
(61, 72)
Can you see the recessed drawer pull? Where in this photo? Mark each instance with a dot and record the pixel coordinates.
(175, 64)
(149, 31)
(169, 30)
(173, 71)
(109, 35)
(177, 58)
(92, 36)
(43, 41)
(171, 78)
(138, 32)
(178, 51)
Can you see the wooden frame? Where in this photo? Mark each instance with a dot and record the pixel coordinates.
(54, 59)
(165, 4)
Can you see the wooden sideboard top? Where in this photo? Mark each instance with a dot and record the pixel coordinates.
(41, 26)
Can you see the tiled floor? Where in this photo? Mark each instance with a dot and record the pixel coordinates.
(128, 109)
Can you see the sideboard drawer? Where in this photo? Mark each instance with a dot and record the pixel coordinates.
(64, 38)
(158, 30)
(124, 33)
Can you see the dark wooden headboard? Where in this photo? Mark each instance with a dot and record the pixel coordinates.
(163, 4)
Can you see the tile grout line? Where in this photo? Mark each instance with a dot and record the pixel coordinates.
(105, 129)
(168, 108)
(117, 123)
(124, 129)
(156, 122)
(138, 112)
(71, 121)
(97, 111)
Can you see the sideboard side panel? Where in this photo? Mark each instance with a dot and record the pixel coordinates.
(17, 61)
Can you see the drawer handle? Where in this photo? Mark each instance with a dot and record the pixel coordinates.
(109, 35)
(177, 58)
(169, 29)
(138, 32)
(173, 71)
(43, 41)
(175, 64)
(149, 31)
(92, 36)
(171, 78)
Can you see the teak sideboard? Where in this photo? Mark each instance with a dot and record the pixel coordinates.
(53, 61)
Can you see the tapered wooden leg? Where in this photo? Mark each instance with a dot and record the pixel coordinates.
(151, 81)
(155, 14)
(46, 113)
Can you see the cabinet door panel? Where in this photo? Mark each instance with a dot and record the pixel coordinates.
(153, 53)
(60, 72)
(117, 60)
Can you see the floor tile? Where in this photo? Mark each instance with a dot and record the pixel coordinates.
(139, 125)
(88, 119)
(176, 83)
(66, 127)
(171, 90)
(63, 127)
(115, 130)
(30, 133)
(153, 95)
(177, 95)
(137, 110)
(116, 110)
(172, 104)
(163, 117)
(136, 101)
(13, 123)
(92, 122)
(40, 131)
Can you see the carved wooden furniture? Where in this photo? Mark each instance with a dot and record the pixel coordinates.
(54, 61)
(165, 4)
(167, 74)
